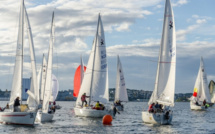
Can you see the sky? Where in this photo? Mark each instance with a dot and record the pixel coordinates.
(133, 31)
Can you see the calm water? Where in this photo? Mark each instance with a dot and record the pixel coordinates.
(129, 121)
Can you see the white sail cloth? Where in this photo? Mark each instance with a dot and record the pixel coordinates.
(95, 81)
(55, 88)
(165, 79)
(121, 91)
(16, 90)
(43, 78)
(48, 81)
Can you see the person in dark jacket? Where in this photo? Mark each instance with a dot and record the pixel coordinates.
(16, 104)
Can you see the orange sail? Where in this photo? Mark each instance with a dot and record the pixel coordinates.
(78, 80)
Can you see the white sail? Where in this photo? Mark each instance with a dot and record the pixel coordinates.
(48, 82)
(55, 88)
(16, 90)
(121, 91)
(34, 89)
(212, 90)
(95, 82)
(165, 79)
(201, 85)
(39, 76)
(43, 78)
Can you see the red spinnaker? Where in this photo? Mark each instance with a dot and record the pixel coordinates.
(77, 80)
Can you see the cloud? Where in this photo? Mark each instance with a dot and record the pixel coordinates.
(201, 21)
(180, 2)
(123, 27)
(181, 34)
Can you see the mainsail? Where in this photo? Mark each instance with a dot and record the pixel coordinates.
(34, 84)
(212, 90)
(165, 79)
(95, 82)
(16, 90)
(48, 82)
(121, 91)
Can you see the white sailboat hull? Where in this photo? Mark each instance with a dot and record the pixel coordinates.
(44, 117)
(89, 112)
(196, 107)
(156, 118)
(18, 118)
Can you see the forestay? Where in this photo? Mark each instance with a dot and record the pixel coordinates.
(121, 91)
(165, 79)
(95, 82)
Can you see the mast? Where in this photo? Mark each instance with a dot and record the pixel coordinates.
(94, 59)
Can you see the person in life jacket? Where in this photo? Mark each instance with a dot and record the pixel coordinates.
(83, 99)
(151, 107)
(97, 106)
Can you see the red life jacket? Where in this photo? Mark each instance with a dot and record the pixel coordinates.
(83, 97)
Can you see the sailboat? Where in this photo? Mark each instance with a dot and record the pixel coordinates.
(164, 90)
(24, 116)
(95, 82)
(121, 91)
(201, 91)
(78, 78)
(46, 114)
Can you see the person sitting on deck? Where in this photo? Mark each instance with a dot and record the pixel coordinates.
(151, 110)
(204, 102)
(158, 107)
(197, 103)
(99, 106)
(16, 105)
